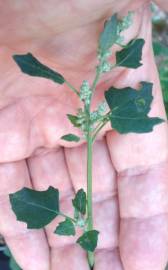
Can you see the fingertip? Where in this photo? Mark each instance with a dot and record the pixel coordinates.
(70, 257)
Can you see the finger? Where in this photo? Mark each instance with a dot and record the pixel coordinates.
(104, 189)
(144, 223)
(108, 259)
(149, 185)
(14, 176)
(144, 243)
(50, 170)
(70, 257)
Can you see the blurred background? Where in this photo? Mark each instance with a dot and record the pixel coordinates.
(160, 47)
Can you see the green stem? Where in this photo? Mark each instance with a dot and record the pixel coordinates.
(98, 129)
(90, 142)
(96, 79)
(104, 119)
(72, 88)
(89, 193)
(89, 181)
(91, 258)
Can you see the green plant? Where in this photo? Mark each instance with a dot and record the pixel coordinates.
(160, 47)
(128, 112)
(161, 54)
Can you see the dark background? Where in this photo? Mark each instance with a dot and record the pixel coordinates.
(3, 262)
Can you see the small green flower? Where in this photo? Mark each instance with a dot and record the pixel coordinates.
(105, 67)
(124, 24)
(102, 108)
(105, 55)
(80, 223)
(94, 116)
(85, 92)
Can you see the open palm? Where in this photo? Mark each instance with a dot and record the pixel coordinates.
(129, 171)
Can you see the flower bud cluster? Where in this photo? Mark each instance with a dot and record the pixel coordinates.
(85, 92)
(80, 223)
(82, 121)
(105, 55)
(124, 24)
(105, 67)
(94, 116)
(102, 108)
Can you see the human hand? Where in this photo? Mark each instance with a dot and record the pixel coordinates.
(131, 201)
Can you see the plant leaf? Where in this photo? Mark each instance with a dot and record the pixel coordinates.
(79, 202)
(109, 35)
(70, 138)
(160, 49)
(88, 240)
(31, 66)
(163, 74)
(65, 228)
(166, 107)
(36, 208)
(74, 120)
(130, 107)
(131, 55)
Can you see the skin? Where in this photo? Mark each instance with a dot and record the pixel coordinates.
(130, 204)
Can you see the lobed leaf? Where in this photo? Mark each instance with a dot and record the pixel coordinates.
(131, 55)
(88, 240)
(31, 66)
(79, 202)
(36, 208)
(70, 138)
(130, 107)
(65, 228)
(109, 35)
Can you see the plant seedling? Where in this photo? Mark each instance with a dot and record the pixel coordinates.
(126, 109)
